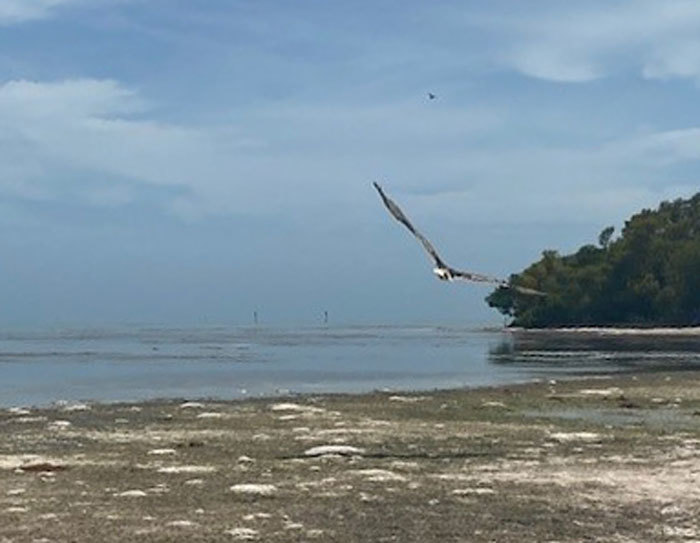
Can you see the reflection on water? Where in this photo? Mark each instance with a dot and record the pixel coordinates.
(585, 353)
(135, 363)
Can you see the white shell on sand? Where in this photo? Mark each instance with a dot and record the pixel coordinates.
(187, 469)
(59, 424)
(161, 452)
(575, 436)
(344, 450)
(407, 399)
(296, 407)
(243, 534)
(76, 407)
(131, 494)
(612, 391)
(19, 411)
(251, 488)
(182, 523)
(210, 415)
(191, 405)
(16, 491)
(380, 475)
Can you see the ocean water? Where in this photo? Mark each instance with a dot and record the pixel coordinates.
(42, 367)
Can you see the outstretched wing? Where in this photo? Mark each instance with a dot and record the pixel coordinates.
(396, 212)
(459, 275)
(455, 275)
(478, 278)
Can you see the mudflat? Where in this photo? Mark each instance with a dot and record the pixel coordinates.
(601, 459)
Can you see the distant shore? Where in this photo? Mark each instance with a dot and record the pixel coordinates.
(616, 331)
(600, 459)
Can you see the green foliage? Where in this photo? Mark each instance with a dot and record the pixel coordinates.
(606, 236)
(649, 275)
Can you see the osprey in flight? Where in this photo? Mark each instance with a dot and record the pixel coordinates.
(442, 270)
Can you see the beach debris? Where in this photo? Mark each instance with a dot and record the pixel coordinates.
(16, 491)
(76, 407)
(340, 450)
(493, 404)
(380, 475)
(286, 407)
(131, 494)
(16, 509)
(565, 437)
(160, 488)
(408, 399)
(243, 459)
(210, 415)
(254, 516)
(43, 467)
(182, 524)
(162, 452)
(191, 405)
(254, 489)
(604, 392)
(28, 420)
(298, 408)
(19, 411)
(243, 534)
(59, 424)
(194, 482)
(187, 469)
(478, 491)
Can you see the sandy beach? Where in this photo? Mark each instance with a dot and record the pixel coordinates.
(600, 459)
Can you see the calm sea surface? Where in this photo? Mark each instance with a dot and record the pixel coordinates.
(137, 363)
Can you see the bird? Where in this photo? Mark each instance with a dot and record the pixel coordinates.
(441, 269)
(431, 96)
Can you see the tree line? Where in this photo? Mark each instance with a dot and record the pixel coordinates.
(648, 276)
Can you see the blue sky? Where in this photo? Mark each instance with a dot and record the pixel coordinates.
(185, 162)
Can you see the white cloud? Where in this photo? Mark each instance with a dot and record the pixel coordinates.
(96, 140)
(546, 62)
(269, 159)
(17, 11)
(20, 11)
(679, 58)
(53, 130)
(577, 42)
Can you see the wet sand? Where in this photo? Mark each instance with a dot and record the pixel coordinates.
(607, 459)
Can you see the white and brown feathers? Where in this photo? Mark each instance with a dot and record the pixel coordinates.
(442, 270)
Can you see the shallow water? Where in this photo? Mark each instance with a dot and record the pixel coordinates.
(136, 363)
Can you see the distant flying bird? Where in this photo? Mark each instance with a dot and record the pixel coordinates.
(431, 96)
(442, 270)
